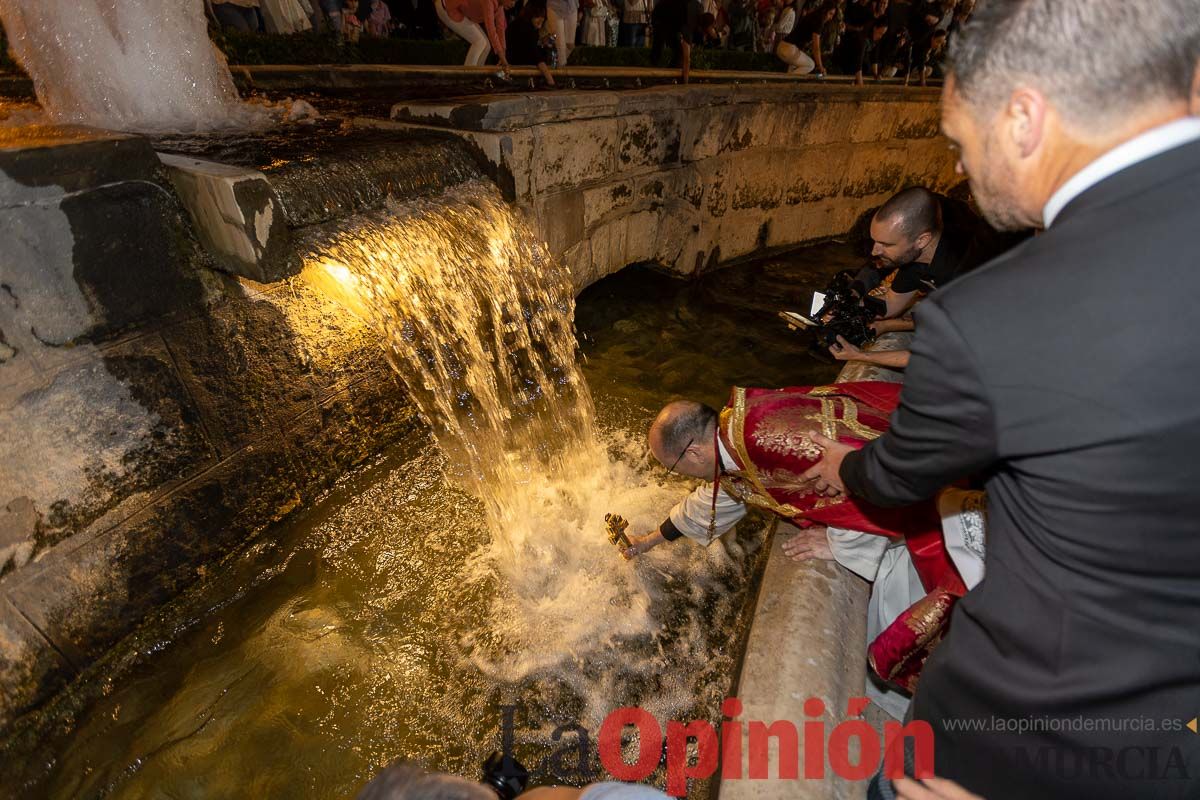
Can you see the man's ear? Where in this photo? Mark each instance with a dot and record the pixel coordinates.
(923, 240)
(1026, 120)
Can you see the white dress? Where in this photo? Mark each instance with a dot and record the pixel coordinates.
(286, 16)
(595, 24)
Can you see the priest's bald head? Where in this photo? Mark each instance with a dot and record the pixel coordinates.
(682, 438)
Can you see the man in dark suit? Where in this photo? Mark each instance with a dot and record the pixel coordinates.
(1066, 374)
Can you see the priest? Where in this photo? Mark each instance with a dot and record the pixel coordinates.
(755, 452)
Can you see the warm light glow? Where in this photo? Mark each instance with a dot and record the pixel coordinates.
(335, 280)
(341, 273)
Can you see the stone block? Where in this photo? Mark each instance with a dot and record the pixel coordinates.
(85, 598)
(641, 236)
(649, 140)
(378, 167)
(18, 369)
(30, 668)
(560, 219)
(107, 430)
(679, 224)
(714, 131)
(339, 348)
(609, 199)
(816, 175)
(69, 158)
(740, 233)
(578, 260)
(876, 170)
(913, 121)
(91, 264)
(349, 428)
(245, 369)
(609, 248)
(807, 640)
(568, 155)
(19, 526)
(237, 215)
(832, 123)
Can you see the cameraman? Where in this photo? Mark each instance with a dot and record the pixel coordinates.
(928, 240)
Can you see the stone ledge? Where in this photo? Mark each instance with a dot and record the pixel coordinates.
(808, 639)
(509, 112)
(69, 158)
(237, 215)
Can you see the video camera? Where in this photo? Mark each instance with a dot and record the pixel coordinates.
(844, 309)
(505, 776)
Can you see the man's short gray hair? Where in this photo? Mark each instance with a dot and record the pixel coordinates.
(1094, 59)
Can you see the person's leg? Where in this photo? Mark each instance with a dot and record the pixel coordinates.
(799, 62)
(557, 26)
(656, 47)
(639, 35)
(481, 47)
(571, 29)
(625, 35)
(471, 32)
(665, 40)
(333, 13)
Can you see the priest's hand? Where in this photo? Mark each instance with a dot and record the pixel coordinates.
(641, 544)
(932, 789)
(825, 473)
(807, 544)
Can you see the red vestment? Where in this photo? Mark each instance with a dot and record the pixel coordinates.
(766, 432)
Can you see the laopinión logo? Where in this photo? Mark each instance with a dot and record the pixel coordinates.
(693, 750)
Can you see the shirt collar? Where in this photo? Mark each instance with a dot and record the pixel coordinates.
(727, 461)
(1141, 148)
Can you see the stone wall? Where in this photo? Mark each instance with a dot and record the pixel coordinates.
(154, 413)
(692, 177)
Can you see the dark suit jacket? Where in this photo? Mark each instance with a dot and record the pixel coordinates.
(1067, 372)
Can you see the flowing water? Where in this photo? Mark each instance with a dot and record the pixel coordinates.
(132, 65)
(465, 571)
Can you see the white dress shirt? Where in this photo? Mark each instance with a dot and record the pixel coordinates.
(692, 514)
(1153, 142)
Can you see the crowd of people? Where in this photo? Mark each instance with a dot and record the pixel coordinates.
(864, 38)
(350, 19)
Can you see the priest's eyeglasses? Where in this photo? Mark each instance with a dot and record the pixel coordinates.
(682, 453)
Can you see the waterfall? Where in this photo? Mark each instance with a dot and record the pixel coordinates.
(132, 65)
(478, 320)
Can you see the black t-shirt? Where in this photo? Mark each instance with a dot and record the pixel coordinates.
(859, 15)
(967, 241)
(521, 41)
(807, 25)
(672, 18)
